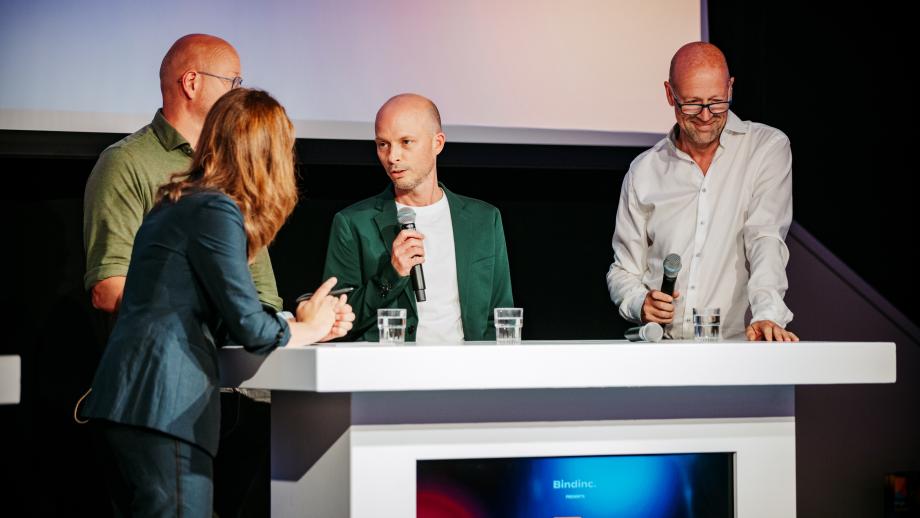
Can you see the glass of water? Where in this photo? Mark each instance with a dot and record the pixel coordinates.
(508, 325)
(706, 325)
(391, 322)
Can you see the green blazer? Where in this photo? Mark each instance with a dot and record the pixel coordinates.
(359, 255)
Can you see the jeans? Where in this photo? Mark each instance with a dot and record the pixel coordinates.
(151, 474)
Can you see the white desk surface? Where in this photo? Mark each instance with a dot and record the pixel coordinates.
(369, 366)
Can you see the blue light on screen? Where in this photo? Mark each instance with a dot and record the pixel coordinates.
(626, 487)
(693, 485)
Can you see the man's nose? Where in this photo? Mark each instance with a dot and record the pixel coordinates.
(705, 114)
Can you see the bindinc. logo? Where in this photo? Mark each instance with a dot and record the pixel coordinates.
(573, 484)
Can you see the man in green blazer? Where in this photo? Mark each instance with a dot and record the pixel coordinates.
(460, 240)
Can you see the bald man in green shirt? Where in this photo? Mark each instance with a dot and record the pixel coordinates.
(121, 190)
(196, 71)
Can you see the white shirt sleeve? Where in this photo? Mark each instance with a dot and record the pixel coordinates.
(768, 219)
(630, 248)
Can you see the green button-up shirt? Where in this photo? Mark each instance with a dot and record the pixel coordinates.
(122, 189)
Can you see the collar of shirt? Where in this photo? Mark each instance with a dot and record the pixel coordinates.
(435, 210)
(734, 126)
(169, 138)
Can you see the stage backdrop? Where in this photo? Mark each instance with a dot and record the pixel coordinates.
(516, 71)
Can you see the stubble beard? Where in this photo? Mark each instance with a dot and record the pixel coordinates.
(411, 182)
(702, 139)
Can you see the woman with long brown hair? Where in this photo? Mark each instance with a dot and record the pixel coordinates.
(155, 398)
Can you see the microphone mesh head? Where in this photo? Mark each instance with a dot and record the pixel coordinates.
(406, 216)
(671, 265)
(652, 332)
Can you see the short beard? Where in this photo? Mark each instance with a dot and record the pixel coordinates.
(695, 137)
(409, 184)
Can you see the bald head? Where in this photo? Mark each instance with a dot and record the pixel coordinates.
(407, 132)
(695, 57)
(193, 52)
(699, 88)
(412, 105)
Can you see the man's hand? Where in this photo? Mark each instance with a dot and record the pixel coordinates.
(407, 251)
(769, 331)
(107, 293)
(659, 307)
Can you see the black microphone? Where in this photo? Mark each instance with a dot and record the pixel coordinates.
(406, 218)
(671, 268)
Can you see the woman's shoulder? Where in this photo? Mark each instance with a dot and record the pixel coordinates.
(207, 197)
(209, 200)
(204, 207)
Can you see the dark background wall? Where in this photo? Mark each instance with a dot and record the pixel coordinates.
(833, 80)
(827, 75)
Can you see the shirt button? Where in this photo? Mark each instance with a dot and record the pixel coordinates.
(692, 287)
(698, 254)
(704, 190)
(702, 222)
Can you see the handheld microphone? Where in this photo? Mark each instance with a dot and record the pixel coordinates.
(651, 332)
(671, 268)
(406, 218)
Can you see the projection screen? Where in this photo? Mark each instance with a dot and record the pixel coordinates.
(501, 71)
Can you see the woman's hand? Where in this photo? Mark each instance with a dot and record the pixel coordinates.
(344, 318)
(321, 318)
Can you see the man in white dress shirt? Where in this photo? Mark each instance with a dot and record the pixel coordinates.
(717, 191)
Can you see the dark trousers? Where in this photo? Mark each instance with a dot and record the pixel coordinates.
(242, 465)
(151, 474)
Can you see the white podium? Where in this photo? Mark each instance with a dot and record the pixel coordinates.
(350, 421)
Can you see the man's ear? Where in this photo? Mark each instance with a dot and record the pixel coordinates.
(668, 93)
(189, 84)
(437, 143)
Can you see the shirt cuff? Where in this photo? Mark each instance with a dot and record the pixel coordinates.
(102, 272)
(769, 306)
(631, 308)
(272, 301)
(284, 334)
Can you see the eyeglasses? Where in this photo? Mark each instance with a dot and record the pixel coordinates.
(716, 108)
(235, 82)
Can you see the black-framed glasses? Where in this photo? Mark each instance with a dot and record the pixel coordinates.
(716, 108)
(235, 82)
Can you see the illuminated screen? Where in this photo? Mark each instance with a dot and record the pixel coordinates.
(514, 71)
(695, 485)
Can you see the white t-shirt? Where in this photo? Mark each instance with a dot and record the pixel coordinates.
(439, 316)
